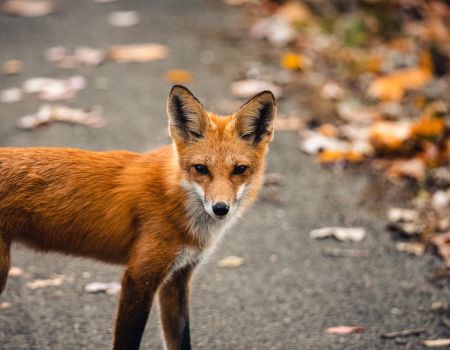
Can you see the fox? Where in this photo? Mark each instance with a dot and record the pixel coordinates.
(157, 213)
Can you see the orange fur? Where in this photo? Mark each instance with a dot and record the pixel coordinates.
(134, 209)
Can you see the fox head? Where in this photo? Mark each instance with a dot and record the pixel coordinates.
(221, 159)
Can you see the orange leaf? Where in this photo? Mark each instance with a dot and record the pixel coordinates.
(389, 135)
(394, 85)
(292, 61)
(179, 76)
(334, 156)
(138, 53)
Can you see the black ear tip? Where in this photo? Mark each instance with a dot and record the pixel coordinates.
(179, 89)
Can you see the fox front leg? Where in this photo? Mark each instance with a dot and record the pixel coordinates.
(174, 298)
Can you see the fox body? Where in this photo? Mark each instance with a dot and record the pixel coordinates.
(157, 213)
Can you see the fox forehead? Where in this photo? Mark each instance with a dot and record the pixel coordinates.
(220, 146)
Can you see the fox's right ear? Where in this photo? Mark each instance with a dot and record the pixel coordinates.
(188, 119)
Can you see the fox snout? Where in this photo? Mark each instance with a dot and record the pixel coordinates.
(220, 209)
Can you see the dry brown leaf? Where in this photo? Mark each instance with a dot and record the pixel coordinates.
(12, 67)
(123, 18)
(442, 243)
(412, 168)
(4, 305)
(390, 135)
(15, 271)
(289, 123)
(294, 12)
(11, 95)
(414, 248)
(342, 330)
(28, 8)
(394, 85)
(354, 234)
(92, 117)
(436, 343)
(231, 261)
(352, 111)
(179, 76)
(138, 53)
(54, 281)
(250, 87)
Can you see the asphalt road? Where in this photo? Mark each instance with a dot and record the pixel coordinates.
(287, 292)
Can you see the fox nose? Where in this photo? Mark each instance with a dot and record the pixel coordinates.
(220, 209)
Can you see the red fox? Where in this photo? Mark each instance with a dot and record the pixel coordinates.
(157, 213)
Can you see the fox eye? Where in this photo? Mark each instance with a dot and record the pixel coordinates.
(201, 169)
(239, 169)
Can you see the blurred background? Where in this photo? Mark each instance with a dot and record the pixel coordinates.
(348, 246)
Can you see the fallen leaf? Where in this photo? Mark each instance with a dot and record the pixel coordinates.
(394, 85)
(390, 135)
(179, 76)
(336, 156)
(429, 127)
(332, 91)
(137, 53)
(276, 29)
(28, 8)
(411, 168)
(55, 281)
(89, 56)
(123, 18)
(293, 61)
(288, 123)
(231, 261)
(342, 330)
(294, 12)
(12, 67)
(328, 130)
(414, 248)
(313, 142)
(110, 288)
(435, 343)
(11, 95)
(50, 89)
(56, 53)
(15, 271)
(4, 305)
(442, 243)
(355, 234)
(46, 114)
(250, 87)
(352, 111)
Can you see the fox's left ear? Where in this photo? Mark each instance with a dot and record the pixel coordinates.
(188, 119)
(254, 120)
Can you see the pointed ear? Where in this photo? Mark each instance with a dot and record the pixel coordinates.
(188, 118)
(254, 120)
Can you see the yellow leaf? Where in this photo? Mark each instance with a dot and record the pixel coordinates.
(292, 61)
(179, 76)
(387, 135)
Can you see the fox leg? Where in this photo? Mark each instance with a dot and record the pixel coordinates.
(147, 268)
(174, 298)
(5, 260)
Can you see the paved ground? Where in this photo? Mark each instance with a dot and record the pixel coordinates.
(265, 304)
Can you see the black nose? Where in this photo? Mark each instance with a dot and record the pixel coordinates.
(220, 209)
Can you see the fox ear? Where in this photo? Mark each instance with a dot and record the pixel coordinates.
(188, 118)
(254, 120)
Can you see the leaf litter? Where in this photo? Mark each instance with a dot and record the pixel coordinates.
(383, 69)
